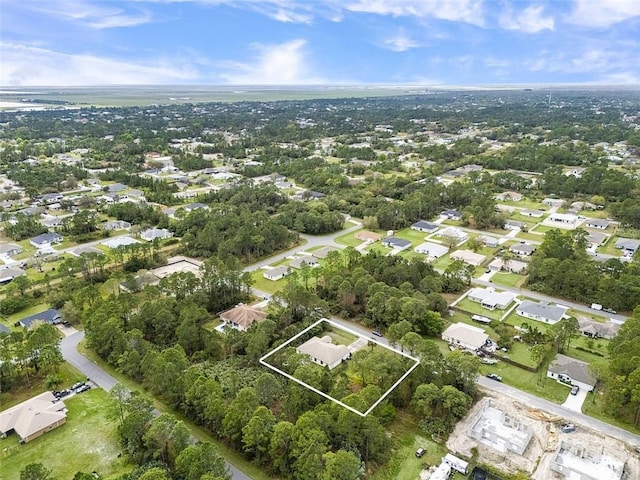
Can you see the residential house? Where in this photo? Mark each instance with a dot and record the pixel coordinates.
(514, 225)
(116, 187)
(453, 232)
(8, 274)
(489, 241)
(51, 316)
(396, 243)
(302, 262)
(593, 329)
(115, 225)
(433, 250)
(595, 239)
(10, 249)
(569, 370)
(553, 202)
(629, 246)
(532, 213)
(509, 196)
(598, 223)
(323, 352)
(276, 273)
(425, 227)
(565, 219)
(152, 234)
(119, 241)
(85, 249)
(522, 249)
(241, 317)
(452, 215)
(541, 311)
(513, 266)
(367, 236)
(46, 240)
(50, 198)
(490, 299)
(195, 206)
(34, 417)
(467, 256)
(465, 336)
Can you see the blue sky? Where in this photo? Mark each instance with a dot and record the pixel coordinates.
(296, 42)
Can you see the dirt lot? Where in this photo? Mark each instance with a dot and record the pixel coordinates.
(546, 437)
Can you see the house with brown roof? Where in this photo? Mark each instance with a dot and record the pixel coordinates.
(367, 236)
(323, 352)
(241, 317)
(34, 417)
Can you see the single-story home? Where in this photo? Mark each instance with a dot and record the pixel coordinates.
(241, 317)
(506, 196)
(396, 243)
(120, 241)
(490, 299)
(45, 240)
(467, 256)
(433, 250)
(453, 232)
(598, 223)
(306, 261)
(84, 249)
(465, 336)
(10, 249)
(34, 417)
(323, 352)
(152, 234)
(532, 213)
(367, 236)
(195, 206)
(569, 370)
(452, 215)
(8, 274)
(593, 329)
(553, 202)
(514, 225)
(629, 246)
(50, 316)
(426, 227)
(541, 311)
(514, 266)
(489, 241)
(324, 251)
(49, 198)
(116, 187)
(597, 238)
(276, 273)
(115, 225)
(522, 249)
(567, 219)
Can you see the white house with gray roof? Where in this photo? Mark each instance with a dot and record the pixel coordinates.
(629, 246)
(541, 311)
(574, 372)
(323, 352)
(465, 336)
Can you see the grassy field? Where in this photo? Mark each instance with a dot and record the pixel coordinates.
(526, 203)
(265, 284)
(349, 239)
(508, 279)
(14, 317)
(539, 237)
(87, 442)
(474, 307)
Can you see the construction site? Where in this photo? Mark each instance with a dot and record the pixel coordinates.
(513, 437)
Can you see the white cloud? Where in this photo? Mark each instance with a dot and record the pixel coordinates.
(467, 11)
(93, 16)
(603, 13)
(401, 42)
(529, 20)
(279, 64)
(28, 65)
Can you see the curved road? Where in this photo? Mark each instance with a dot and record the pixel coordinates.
(69, 349)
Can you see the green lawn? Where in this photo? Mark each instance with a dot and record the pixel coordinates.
(265, 284)
(610, 247)
(530, 236)
(339, 336)
(545, 228)
(87, 442)
(415, 237)
(508, 279)
(40, 307)
(349, 239)
(525, 203)
(474, 307)
(594, 407)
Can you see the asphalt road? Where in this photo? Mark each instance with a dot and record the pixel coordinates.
(69, 349)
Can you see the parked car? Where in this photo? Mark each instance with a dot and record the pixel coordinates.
(377, 333)
(420, 452)
(494, 376)
(575, 389)
(83, 388)
(77, 385)
(568, 428)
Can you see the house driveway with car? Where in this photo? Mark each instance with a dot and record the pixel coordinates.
(574, 402)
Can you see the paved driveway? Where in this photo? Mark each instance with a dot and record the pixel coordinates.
(574, 402)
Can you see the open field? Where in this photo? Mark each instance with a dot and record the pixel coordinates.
(508, 279)
(87, 442)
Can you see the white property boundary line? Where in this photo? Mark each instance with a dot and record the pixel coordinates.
(328, 397)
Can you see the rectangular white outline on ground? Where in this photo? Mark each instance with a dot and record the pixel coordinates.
(328, 397)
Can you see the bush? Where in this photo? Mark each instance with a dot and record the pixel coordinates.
(13, 304)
